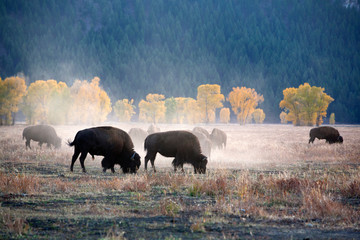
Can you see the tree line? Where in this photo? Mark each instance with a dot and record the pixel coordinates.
(86, 102)
(172, 47)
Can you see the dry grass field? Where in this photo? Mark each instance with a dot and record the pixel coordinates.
(268, 183)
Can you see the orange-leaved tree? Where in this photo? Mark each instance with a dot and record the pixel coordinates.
(225, 115)
(192, 111)
(291, 104)
(283, 117)
(153, 108)
(243, 102)
(258, 115)
(12, 89)
(306, 105)
(45, 102)
(209, 98)
(91, 104)
(124, 109)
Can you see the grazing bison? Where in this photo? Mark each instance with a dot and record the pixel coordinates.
(153, 129)
(218, 138)
(41, 134)
(205, 143)
(137, 136)
(329, 133)
(112, 143)
(202, 130)
(182, 145)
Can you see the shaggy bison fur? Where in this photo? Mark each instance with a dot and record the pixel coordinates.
(330, 134)
(218, 138)
(112, 143)
(182, 145)
(41, 134)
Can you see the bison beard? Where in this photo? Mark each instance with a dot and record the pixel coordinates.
(182, 145)
(112, 143)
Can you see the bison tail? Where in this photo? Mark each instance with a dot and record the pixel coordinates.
(145, 144)
(70, 143)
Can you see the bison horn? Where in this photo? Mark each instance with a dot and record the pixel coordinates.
(133, 156)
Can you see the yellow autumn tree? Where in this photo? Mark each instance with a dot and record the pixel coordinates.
(59, 104)
(306, 105)
(192, 111)
(124, 109)
(291, 104)
(225, 115)
(332, 119)
(283, 117)
(12, 89)
(243, 102)
(258, 115)
(209, 98)
(42, 101)
(91, 104)
(153, 108)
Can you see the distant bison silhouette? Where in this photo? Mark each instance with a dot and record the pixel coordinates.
(218, 138)
(205, 143)
(153, 129)
(112, 143)
(202, 130)
(330, 134)
(182, 145)
(138, 136)
(42, 134)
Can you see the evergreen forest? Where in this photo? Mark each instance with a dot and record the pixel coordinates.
(170, 47)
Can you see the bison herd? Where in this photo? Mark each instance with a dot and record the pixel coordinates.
(118, 147)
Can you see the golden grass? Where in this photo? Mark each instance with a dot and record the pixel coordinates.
(266, 171)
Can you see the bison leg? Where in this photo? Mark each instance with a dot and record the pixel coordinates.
(150, 157)
(74, 157)
(40, 144)
(82, 160)
(27, 143)
(311, 140)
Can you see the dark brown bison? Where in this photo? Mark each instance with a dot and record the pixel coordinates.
(205, 143)
(330, 134)
(218, 138)
(138, 136)
(112, 143)
(41, 134)
(182, 145)
(153, 129)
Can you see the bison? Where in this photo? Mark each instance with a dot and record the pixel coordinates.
(137, 136)
(112, 143)
(205, 143)
(330, 134)
(218, 138)
(41, 134)
(182, 145)
(202, 130)
(153, 129)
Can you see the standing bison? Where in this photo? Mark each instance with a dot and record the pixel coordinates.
(218, 138)
(41, 134)
(205, 143)
(182, 145)
(330, 134)
(112, 143)
(138, 136)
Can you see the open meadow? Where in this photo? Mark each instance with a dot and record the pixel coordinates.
(268, 183)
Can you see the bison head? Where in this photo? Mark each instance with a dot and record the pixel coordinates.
(201, 164)
(340, 139)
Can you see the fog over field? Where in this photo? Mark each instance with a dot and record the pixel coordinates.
(250, 146)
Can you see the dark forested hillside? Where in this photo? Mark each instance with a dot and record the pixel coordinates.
(170, 47)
